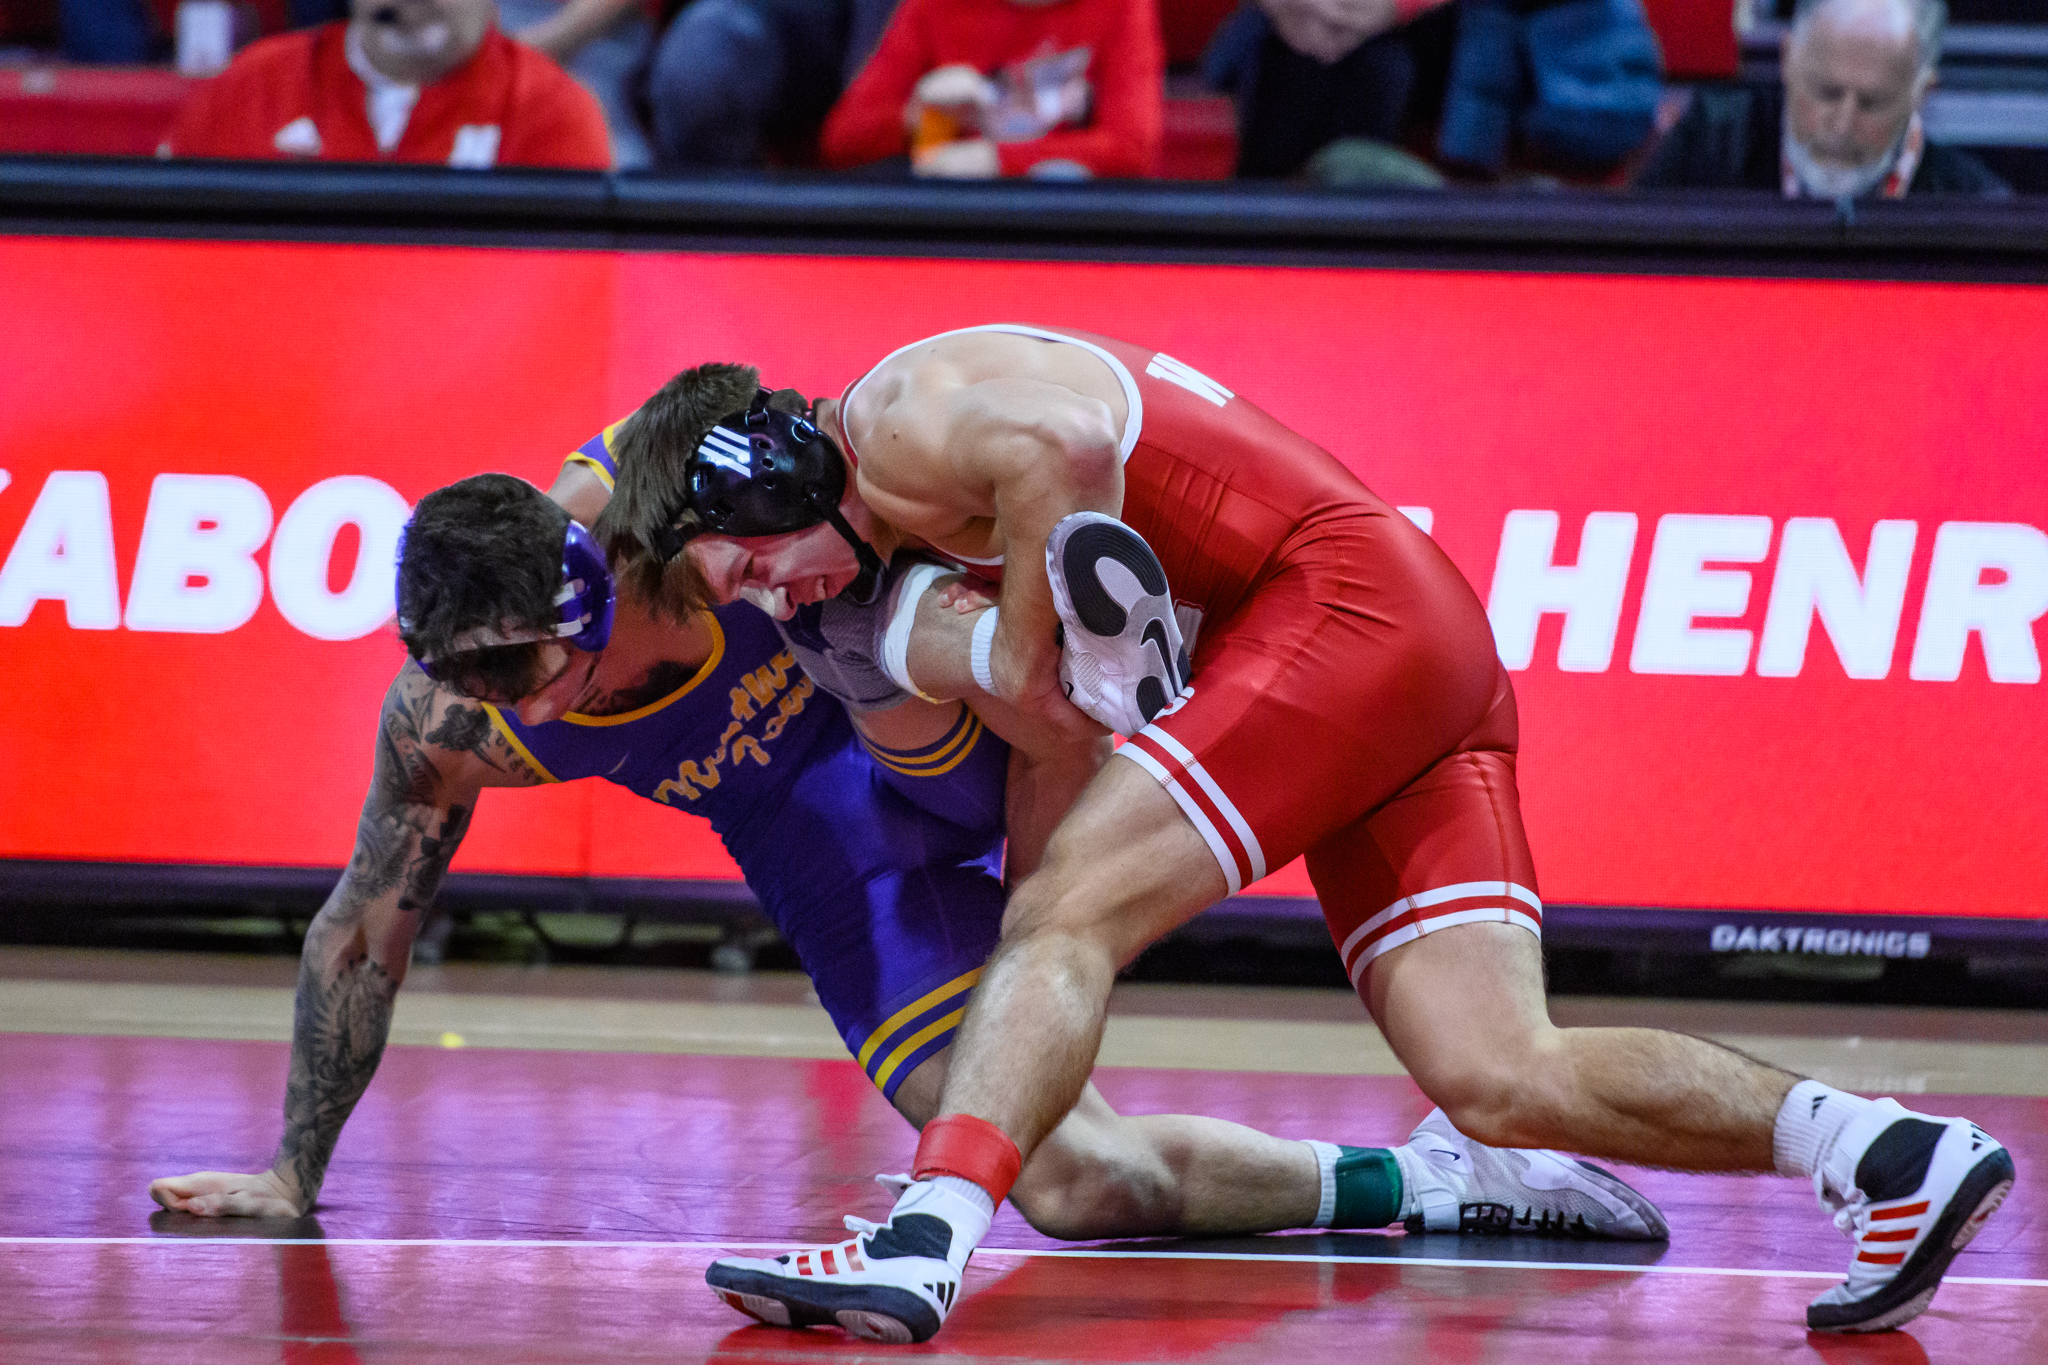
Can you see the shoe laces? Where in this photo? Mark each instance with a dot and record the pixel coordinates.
(867, 1227)
(1851, 1210)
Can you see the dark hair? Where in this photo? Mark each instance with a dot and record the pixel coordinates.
(486, 551)
(652, 451)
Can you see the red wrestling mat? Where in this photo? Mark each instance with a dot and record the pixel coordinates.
(499, 1205)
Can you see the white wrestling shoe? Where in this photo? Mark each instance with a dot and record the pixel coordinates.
(1910, 1190)
(893, 1283)
(1470, 1187)
(1122, 661)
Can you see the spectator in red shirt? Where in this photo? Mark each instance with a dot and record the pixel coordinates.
(403, 80)
(980, 88)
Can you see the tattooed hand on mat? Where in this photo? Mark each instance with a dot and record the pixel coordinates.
(435, 752)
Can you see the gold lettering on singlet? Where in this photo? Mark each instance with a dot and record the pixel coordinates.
(764, 682)
(766, 689)
(792, 704)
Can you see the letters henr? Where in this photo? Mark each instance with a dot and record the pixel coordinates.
(1813, 575)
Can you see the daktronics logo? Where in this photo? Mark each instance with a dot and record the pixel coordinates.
(196, 565)
(1831, 939)
(1988, 579)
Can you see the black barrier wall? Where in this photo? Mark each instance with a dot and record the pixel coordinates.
(1604, 231)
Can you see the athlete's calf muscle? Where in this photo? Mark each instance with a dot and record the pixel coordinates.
(1105, 1174)
(1463, 1009)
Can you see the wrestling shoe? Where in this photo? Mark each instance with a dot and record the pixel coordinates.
(1121, 661)
(894, 1282)
(1910, 1190)
(1469, 1187)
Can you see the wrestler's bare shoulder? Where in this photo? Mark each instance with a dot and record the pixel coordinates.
(934, 371)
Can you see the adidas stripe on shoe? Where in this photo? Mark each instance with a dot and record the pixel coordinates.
(894, 1282)
(1910, 1190)
(1122, 660)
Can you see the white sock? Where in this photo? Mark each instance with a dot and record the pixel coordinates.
(1809, 1121)
(1412, 1181)
(968, 1190)
(1326, 1169)
(979, 648)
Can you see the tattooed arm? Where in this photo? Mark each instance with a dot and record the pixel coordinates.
(435, 752)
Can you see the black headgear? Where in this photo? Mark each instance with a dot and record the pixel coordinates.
(765, 472)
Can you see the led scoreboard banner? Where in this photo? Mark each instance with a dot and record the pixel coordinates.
(1766, 558)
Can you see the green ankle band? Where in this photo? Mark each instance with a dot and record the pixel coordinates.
(1368, 1188)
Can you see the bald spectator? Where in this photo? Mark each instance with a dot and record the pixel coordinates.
(1845, 126)
(402, 80)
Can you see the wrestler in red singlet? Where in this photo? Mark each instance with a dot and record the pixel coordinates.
(1347, 701)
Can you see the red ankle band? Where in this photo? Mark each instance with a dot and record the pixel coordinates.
(972, 1149)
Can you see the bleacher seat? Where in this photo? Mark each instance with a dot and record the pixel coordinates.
(1189, 24)
(1698, 37)
(94, 110)
(1201, 138)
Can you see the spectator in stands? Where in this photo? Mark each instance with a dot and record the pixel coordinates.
(402, 80)
(972, 89)
(121, 32)
(602, 43)
(1307, 73)
(1846, 124)
(736, 81)
(1571, 85)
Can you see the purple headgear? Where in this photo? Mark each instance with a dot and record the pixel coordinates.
(587, 597)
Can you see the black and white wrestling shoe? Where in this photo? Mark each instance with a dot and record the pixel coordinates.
(1466, 1186)
(1910, 1190)
(1122, 660)
(894, 1282)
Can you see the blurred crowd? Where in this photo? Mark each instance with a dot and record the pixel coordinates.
(1338, 92)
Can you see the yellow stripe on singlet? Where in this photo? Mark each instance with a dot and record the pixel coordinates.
(628, 717)
(525, 754)
(597, 466)
(958, 985)
(604, 476)
(937, 762)
(916, 1041)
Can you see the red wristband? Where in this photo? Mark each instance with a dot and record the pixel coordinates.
(972, 1149)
